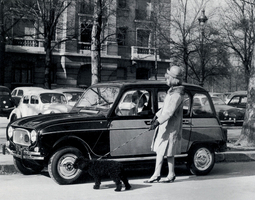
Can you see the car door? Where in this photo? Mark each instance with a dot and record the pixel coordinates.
(205, 124)
(129, 135)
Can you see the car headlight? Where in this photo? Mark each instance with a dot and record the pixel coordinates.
(33, 136)
(225, 113)
(10, 131)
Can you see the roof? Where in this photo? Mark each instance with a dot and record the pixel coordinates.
(134, 83)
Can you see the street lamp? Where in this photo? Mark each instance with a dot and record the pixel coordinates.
(202, 20)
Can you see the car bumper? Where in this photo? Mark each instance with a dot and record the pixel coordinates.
(23, 153)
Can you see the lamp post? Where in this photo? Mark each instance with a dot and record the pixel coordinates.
(202, 20)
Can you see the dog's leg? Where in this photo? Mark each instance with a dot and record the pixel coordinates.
(117, 181)
(97, 180)
(125, 180)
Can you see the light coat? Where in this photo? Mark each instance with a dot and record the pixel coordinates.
(168, 135)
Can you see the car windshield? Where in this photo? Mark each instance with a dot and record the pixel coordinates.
(4, 93)
(97, 99)
(53, 98)
(218, 101)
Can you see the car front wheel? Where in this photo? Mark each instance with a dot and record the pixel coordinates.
(61, 168)
(201, 160)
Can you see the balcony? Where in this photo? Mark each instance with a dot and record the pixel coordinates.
(26, 45)
(143, 53)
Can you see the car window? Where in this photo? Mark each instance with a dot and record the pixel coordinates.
(4, 93)
(14, 92)
(234, 100)
(26, 99)
(243, 100)
(20, 93)
(34, 99)
(201, 107)
(134, 102)
(53, 98)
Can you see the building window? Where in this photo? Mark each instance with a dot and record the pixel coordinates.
(22, 73)
(86, 29)
(121, 36)
(87, 7)
(25, 28)
(143, 37)
(122, 3)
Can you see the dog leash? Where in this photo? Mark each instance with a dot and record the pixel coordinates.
(122, 144)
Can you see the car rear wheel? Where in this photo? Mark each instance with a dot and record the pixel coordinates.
(61, 168)
(201, 160)
(25, 167)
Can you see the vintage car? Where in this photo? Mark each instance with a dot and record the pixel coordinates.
(100, 127)
(18, 92)
(40, 101)
(227, 114)
(72, 94)
(7, 104)
(238, 99)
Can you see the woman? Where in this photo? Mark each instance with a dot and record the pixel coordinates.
(168, 125)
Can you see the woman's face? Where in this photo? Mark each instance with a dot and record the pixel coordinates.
(168, 79)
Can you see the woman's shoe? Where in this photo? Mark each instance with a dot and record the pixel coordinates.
(153, 179)
(168, 180)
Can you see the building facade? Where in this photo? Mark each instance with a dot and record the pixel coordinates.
(131, 48)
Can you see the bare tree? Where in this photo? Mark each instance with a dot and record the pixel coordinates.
(48, 14)
(240, 33)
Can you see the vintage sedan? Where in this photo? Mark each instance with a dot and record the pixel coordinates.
(227, 114)
(7, 104)
(40, 101)
(238, 99)
(100, 127)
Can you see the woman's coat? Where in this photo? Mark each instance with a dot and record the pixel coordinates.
(168, 135)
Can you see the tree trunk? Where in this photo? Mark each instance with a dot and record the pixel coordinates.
(248, 131)
(47, 80)
(2, 44)
(95, 44)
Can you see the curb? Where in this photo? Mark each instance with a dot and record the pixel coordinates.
(233, 154)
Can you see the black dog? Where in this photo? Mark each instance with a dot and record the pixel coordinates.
(99, 168)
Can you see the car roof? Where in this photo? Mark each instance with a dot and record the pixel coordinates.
(41, 91)
(69, 89)
(154, 83)
(4, 88)
(238, 93)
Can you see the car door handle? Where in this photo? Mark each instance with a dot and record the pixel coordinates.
(147, 122)
(186, 121)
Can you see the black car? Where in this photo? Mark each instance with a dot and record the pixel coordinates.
(238, 99)
(110, 122)
(6, 102)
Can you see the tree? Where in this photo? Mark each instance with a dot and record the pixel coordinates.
(239, 33)
(48, 14)
(242, 41)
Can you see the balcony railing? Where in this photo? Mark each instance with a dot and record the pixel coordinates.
(143, 53)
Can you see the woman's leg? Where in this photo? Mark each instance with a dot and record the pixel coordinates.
(170, 162)
(158, 165)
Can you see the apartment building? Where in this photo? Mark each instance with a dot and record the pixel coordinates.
(131, 48)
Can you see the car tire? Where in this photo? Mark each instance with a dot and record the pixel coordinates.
(201, 160)
(60, 165)
(25, 167)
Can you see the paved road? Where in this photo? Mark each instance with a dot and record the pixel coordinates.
(233, 181)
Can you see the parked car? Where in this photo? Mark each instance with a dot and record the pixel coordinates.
(238, 99)
(72, 94)
(7, 104)
(227, 114)
(40, 101)
(18, 92)
(98, 127)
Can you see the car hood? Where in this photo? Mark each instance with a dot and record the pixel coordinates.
(40, 122)
(220, 108)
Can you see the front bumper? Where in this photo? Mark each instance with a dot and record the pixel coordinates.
(23, 153)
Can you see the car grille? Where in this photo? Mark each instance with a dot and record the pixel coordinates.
(22, 137)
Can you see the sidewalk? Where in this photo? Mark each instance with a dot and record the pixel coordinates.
(233, 154)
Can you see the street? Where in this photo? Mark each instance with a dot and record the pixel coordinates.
(226, 181)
